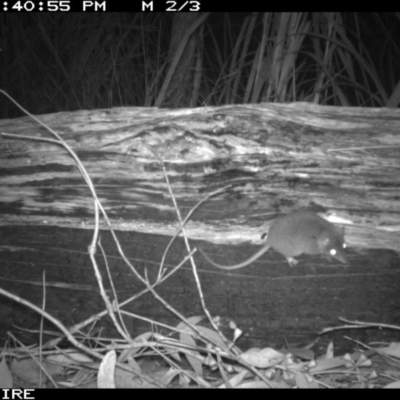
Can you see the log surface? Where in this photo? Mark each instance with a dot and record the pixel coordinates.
(343, 162)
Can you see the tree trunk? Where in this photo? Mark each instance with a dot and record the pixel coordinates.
(273, 158)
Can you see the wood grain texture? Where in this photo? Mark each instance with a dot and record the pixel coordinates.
(276, 157)
(342, 162)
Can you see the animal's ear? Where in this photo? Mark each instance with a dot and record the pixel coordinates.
(340, 230)
(323, 241)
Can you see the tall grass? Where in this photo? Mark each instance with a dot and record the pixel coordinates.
(55, 62)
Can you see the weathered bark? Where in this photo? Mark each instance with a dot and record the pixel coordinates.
(276, 157)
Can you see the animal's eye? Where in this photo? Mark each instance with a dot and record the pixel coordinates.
(332, 252)
(344, 245)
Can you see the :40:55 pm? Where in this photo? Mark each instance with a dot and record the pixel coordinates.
(63, 5)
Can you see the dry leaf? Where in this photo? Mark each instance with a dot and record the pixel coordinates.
(29, 371)
(193, 361)
(105, 377)
(6, 380)
(263, 358)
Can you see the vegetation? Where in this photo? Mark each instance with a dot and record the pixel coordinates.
(60, 62)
